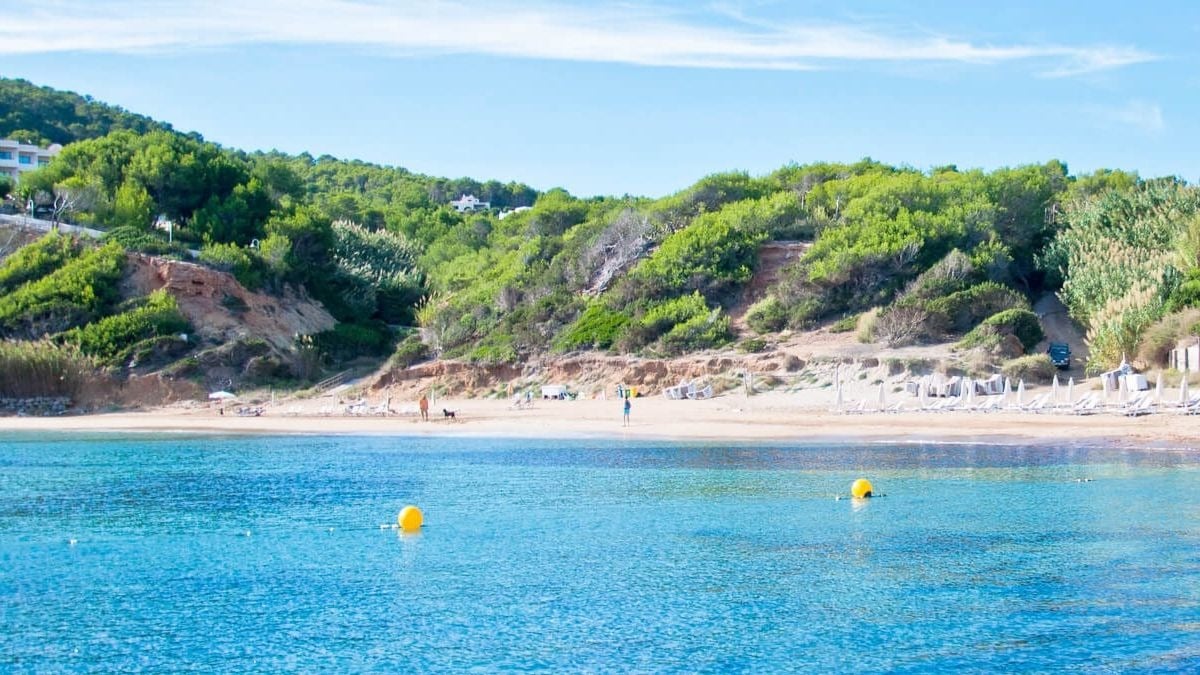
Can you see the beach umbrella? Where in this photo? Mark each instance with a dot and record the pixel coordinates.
(1071, 391)
(969, 394)
(1158, 389)
(1021, 393)
(1183, 392)
(1054, 391)
(1006, 392)
(1104, 384)
(882, 396)
(837, 383)
(221, 396)
(923, 394)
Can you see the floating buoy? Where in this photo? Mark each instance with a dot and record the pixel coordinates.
(861, 489)
(410, 518)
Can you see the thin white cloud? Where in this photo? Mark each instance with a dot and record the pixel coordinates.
(1141, 116)
(631, 34)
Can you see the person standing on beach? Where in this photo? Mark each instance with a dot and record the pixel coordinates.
(423, 404)
(628, 405)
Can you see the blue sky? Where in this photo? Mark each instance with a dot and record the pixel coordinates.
(640, 97)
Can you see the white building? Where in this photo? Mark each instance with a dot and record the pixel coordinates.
(17, 158)
(469, 203)
(519, 209)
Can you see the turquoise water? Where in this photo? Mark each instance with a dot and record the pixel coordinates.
(224, 554)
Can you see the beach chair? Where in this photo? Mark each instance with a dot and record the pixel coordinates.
(1037, 404)
(1143, 405)
(1088, 405)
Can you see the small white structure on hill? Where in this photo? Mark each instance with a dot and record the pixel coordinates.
(519, 209)
(467, 203)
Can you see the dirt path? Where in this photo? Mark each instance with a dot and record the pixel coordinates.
(773, 256)
(1059, 327)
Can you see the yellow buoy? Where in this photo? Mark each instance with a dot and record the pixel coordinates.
(410, 519)
(861, 488)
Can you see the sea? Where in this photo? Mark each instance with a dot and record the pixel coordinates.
(215, 553)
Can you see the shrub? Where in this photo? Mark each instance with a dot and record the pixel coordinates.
(699, 332)
(963, 310)
(1031, 368)
(1021, 323)
(597, 327)
(346, 341)
(844, 324)
(36, 260)
(752, 345)
(767, 315)
(80, 289)
(1161, 337)
(412, 349)
(865, 326)
(110, 337)
(900, 325)
(235, 260)
(136, 239)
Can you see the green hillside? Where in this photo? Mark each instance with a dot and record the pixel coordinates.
(901, 255)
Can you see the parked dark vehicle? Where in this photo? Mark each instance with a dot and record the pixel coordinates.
(1060, 355)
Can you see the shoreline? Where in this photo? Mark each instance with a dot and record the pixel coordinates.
(767, 418)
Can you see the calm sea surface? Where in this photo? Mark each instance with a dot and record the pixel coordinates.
(224, 554)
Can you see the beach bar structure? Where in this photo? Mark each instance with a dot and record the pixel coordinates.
(1186, 357)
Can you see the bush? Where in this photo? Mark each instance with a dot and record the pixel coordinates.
(136, 239)
(844, 324)
(1161, 337)
(412, 349)
(865, 328)
(598, 327)
(1021, 323)
(963, 310)
(752, 346)
(346, 341)
(699, 332)
(1032, 368)
(767, 315)
(36, 260)
(110, 337)
(235, 260)
(82, 288)
(901, 325)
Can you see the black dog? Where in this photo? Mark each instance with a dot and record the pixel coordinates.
(448, 413)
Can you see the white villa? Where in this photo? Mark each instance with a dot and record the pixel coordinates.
(17, 158)
(467, 203)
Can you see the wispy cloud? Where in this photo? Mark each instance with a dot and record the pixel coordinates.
(631, 34)
(1142, 116)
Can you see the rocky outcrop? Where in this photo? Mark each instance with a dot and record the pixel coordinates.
(220, 309)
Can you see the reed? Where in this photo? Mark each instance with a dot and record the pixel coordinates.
(42, 368)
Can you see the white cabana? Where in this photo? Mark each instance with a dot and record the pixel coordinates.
(221, 396)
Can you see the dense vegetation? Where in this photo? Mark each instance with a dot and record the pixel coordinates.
(41, 115)
(906, 255)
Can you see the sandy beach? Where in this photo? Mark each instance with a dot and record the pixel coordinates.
(766, 417)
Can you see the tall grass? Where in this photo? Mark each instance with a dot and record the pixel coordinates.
(42, 368)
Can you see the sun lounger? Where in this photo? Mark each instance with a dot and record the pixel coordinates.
(1143, 405)
(1088, 405)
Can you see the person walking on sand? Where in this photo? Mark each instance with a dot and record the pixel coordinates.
(423, 404)
(628, 405)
